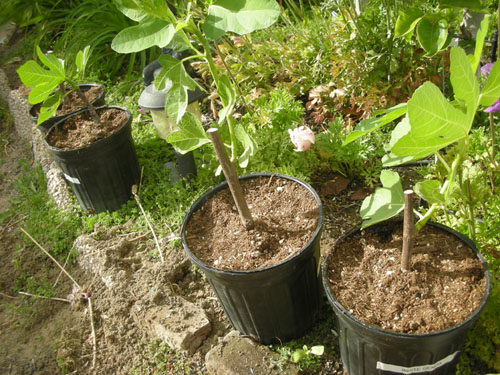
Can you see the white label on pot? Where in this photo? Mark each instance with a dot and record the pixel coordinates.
(416, 369)
(71, 179)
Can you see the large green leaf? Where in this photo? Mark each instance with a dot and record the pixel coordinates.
(52, 62)
(464, 82)
(32, 74)
(49, 107)
(82, 57)
(176, 100)
(385, 202)
(430, 190)
(368, 125)
(190, 136)
(407, 21)
(480, 37)
(248, 145)
(432, 34)
(491, 90)
(239, 16)
(227, 94)
(150, 32)
(435, 123)
(136, 8)
(42, 92)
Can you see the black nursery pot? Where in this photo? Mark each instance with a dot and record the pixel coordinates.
(101, 174)
(369, 350)
(45, 126)
(270, 304)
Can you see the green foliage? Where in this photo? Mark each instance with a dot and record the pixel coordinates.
(158, 26)
(269, 128)
(45, 222)
(432, 27)
(160, 359)
(433, 123)
(96, 23)
(46, 81)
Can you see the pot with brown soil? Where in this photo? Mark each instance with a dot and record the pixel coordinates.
(407, 322)
(264, 273)
(94, 93)
(97, 156)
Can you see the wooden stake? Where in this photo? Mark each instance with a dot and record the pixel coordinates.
(408, 231)
(231, 178)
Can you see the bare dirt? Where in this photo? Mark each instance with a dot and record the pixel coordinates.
(285, 217)
(80, 130)
(72, 102)
(445, 283)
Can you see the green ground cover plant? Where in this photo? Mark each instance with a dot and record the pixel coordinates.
(307, 67)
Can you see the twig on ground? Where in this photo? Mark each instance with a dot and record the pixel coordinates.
(7, 296)
(134, 193)
(89, 300)
(64, 265)
(43, 297)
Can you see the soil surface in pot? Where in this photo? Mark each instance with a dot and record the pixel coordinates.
(444, 286)
(285, 215)
(79, 130)
(73, 103)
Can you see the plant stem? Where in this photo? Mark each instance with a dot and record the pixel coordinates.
(134, 193)
(492, 135)
(441, 159)
(222, 57)
(90, 107)
(470, 210)
(424, 219)
(232, 179)
(408, 231)
(51, 298)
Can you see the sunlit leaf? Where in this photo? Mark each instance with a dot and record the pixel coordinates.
(239, 16)
(247, 143)
(190, 136)
(227, 94)
(368, 125)
(430, 191)
(432, 34)
(435, 123)
(491, 90)
(407, 21)
(150, 32)
(385, 202)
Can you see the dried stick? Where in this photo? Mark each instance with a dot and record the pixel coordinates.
(408, 231)
(51, 257)
(91, 314)
(134, 192)
(232, 179)
(51, 298)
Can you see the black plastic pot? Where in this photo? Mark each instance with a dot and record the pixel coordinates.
(271, 304)
(369, 350)
(45, 126)
(101, 174)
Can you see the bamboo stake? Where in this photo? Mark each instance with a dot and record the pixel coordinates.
(408, 231)
(232, 179)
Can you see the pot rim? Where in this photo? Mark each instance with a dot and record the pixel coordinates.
(213, 190)
(338, 306)
(102, 140)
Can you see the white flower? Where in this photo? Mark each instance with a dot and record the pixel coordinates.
(302, 138)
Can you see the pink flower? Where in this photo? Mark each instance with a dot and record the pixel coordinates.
(302, 138)
(494, 108)
(486, 69)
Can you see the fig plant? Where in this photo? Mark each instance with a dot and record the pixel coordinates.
(433, 125)
(158, 26)
(54, 81)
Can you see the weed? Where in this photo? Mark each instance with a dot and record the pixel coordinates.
(159, 359)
